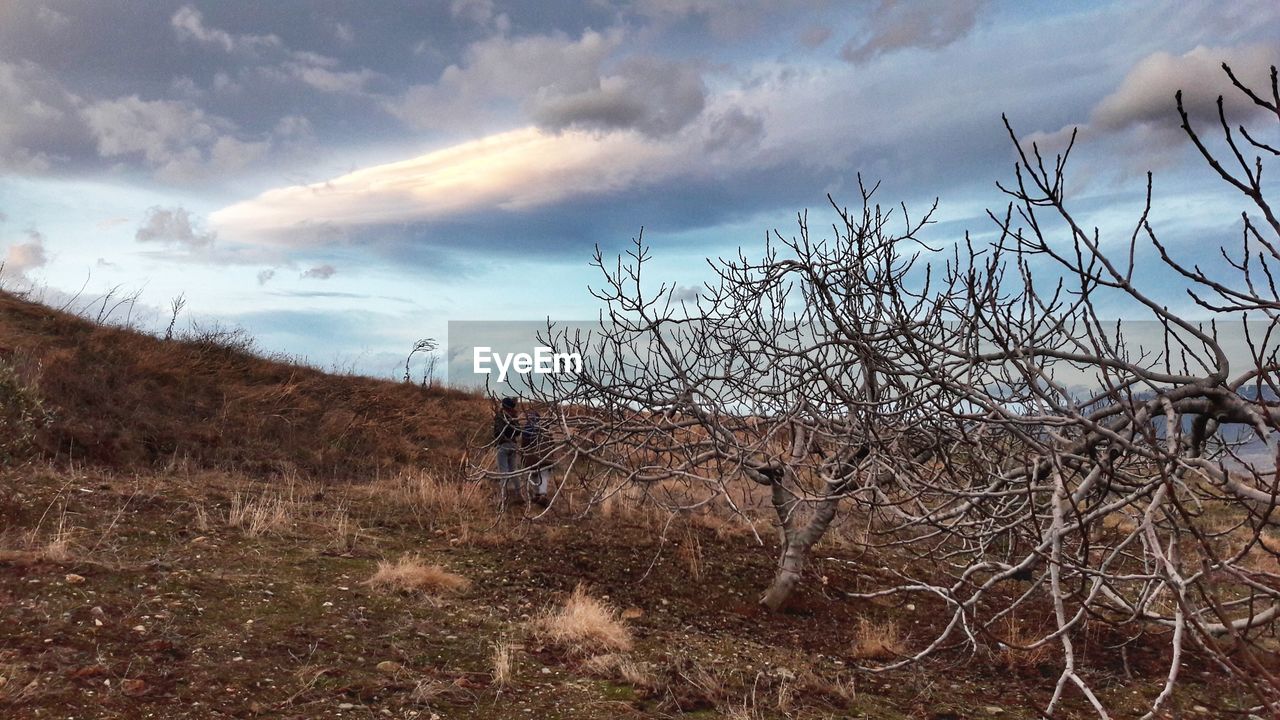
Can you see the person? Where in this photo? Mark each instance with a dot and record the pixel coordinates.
(535, 455)
(505, 433)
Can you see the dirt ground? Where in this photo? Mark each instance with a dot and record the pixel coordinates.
(153, 596)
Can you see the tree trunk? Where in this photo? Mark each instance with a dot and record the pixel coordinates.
(796, 544)
(790, 565)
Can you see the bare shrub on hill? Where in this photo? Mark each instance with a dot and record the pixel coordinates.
(1029, 456)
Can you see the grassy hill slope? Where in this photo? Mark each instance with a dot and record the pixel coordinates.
(124, 399)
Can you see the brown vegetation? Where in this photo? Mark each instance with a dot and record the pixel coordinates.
(121, 398)
(411, 574)
(583, 625)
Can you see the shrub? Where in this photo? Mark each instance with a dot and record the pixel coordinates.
(410, 574)
(583, 625)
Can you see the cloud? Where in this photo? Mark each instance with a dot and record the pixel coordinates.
(1141, 110)
(655, 96)
(480, 12)
(686, 293)
(312, 69)
(324, 79)
(343, 33)
(39, 119)
(188, 22)
(901, 24)
(319, 272)
(559, 82)
(815, 36)
(501, 68)
(178, 140)
(509, 171)
(733, 130)
(52, 19)
(725, 20)
(21, 258)
(264, 276)
(174, 227)
(1146, 93)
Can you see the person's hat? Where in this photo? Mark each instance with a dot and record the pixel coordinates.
(508, 402)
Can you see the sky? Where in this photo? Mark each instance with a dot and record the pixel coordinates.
(341, 179)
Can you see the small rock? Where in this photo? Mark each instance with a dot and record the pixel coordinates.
(346, 706)
(97, 612)
(546, 671)
(388, 667)
(994, 710)
(97, 622)
(134, 687)
(139, 629)
(1200, 709)
(74, 579)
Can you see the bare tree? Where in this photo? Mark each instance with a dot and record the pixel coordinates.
(1022, 452)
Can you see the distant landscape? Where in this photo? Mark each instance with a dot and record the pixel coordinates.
(673, 359)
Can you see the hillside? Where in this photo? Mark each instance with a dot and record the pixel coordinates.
(122, 399)
(194, 531)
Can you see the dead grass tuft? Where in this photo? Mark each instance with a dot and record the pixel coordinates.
(410, 574)
(503, 663)
(877, 640)
(261, 515)
(621, 668)
(1014, 654)
(583, 626)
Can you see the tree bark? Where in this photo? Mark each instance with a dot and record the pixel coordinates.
(790, 565)
(796, 544)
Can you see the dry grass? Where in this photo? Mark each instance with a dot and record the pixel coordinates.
(206, 399)
(690, 554)
(16, 685)
(344, 531)
(877, 640)
(583, 625)
(1014, 654)
(620, 667)
(410, 574)
(503, 663)
(260, 516)
(431, 691)
(59, 548)
(431, 496)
